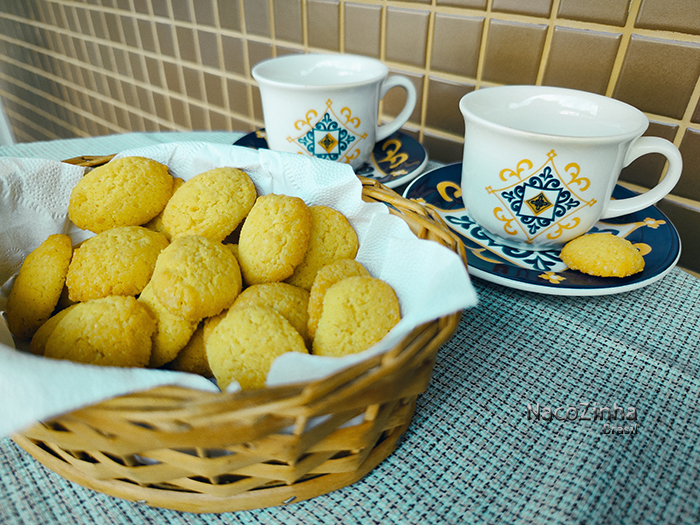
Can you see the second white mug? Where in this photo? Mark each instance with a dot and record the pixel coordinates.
(327, 106)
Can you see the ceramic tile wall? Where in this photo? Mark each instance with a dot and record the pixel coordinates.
(91, 67)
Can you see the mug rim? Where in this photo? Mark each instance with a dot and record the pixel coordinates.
(267, 71)
(482, 95)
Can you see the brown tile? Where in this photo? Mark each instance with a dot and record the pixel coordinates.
(686, 221)
(181, 11)
(141, 6)
(443, 112)
(257, 17)
(229, 15)
(395, 99)
(137, 69)
(238, 96)
(257, 52)
(513, 52)
(581, 59)
(112, 23)
(613, 12)
(214, 89)
(198, 117)
(441, 149)
(165, 39)
(658, 76)
(456, 44)
(172, 77)
(474, 4)
(363, 29)
(689, 185)
(531, 7)
(193, 86)
(233, 54)
(129, 27)
(288, 24)
(185, 44)
(145, 30)
(180, 114)
(208, 48)
(646, 171)
(406, 35)
(204, 13)
(323, 18)
(161, 105)
(682, 16)
(696, 114)
(218, 121)
(282, 50)
(153, 72)
(160, 7)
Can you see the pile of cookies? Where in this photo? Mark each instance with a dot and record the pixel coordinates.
(203, 276)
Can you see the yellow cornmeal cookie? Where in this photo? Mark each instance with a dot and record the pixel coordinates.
(325, 278)
(119, 261)
(112, 331)
(357, 312)
(156, 223)
(332, 238)
(38, 286)
(196, 277)
(602, 255)
(244, 344)
(193, 357)
(274, 238)
(210, 204)
(125, 192)
(291, 302)
(172, 331)
(37, 346)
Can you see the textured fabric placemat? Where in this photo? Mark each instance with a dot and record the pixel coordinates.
(471, 454)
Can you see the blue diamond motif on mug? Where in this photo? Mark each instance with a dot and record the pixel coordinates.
(327, 139)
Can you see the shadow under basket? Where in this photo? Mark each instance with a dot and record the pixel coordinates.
(195, 451)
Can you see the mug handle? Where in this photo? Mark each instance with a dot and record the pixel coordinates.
(385, 130)
(644, 146)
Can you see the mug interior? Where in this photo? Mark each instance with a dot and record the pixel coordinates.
(553, 111)
(318, 70)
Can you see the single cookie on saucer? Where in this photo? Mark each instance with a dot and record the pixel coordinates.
(357, 313)
(38, 286)
(125, 192)
(602, 255)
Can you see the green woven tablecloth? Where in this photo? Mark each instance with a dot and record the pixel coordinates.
(514, 428)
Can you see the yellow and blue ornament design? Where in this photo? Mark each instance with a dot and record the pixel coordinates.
(332, 136)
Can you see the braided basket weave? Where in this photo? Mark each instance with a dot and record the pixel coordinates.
(197, 451)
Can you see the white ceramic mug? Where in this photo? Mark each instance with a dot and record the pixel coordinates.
(540, 163)
(327, 106)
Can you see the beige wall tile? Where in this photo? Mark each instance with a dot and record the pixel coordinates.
(581, 59)
(232, 49)
(443, 105)
(530, 7)
(474, 4)
(689, 185)
(185, 44)
(363, 29)
(513, 52)
(441, 149)
(456, 44)
(395, 99)
(686, 221)
(406, 35)
(680, 15)
(613, 12)
(323, 22)
(208, 44)
(229, 15)
(288, 20)
(658, 76)
(257, 17)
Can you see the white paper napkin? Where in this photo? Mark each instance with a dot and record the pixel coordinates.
(429, 279)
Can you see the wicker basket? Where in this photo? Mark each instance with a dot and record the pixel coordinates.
(196, 451)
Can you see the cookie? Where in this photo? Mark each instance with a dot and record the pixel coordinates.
(274, 238)
(119, 261)
(211, 204)
(37, 346)
(244, 344)
(602, 255)
(38, 286)
(172, 331)
(332, 238)
(111, 331)
(357, 313)
(156, 223)
(325, 278)
(192, 357)
(291, 302)
(124, 192)
(196, 277)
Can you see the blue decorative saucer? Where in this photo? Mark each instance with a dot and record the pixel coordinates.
(395, 161)
(542, 271)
